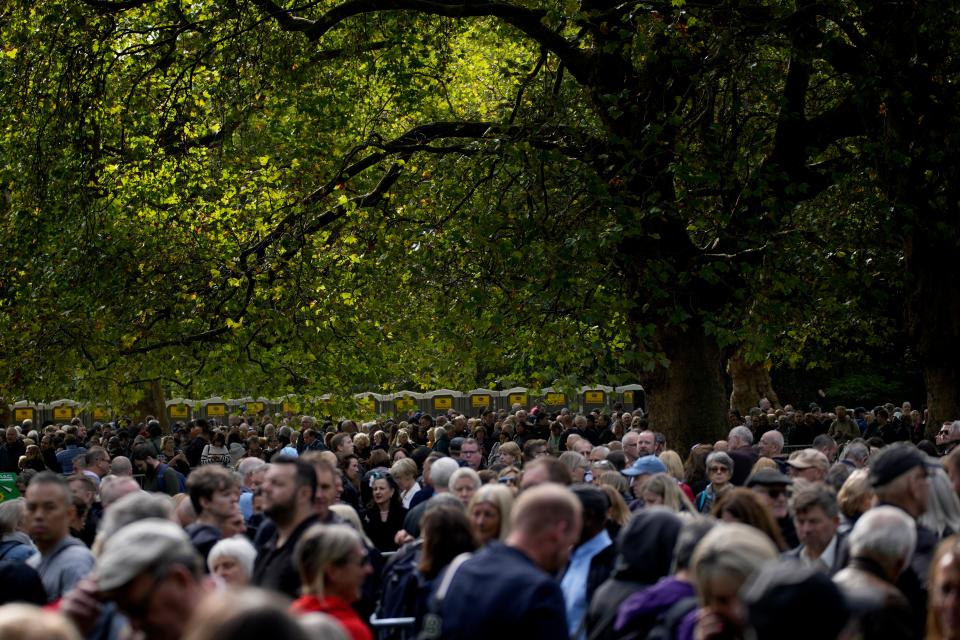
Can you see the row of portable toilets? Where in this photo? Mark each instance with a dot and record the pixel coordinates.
(367, 405)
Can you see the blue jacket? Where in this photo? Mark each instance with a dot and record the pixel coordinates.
(499, 593)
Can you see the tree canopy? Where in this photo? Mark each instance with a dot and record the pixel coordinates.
(243, 194)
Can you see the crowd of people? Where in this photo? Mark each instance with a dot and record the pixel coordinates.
(511, 524)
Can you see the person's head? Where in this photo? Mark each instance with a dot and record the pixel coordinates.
(289, 487)
(671, 460)
(12, 435)
(121, 466)
(594, 506)
(722, 562)
(463, 483)
(746, 507)
(440, 472)
(899, 477)
(49, 510)
(646, 443)
(384, 490)
(13, 516)
(152, 572)
(21, 621)
(325, 471)
(630, 444)
(214, 492)
(470, 453)
(815, 515)
(546, 525)
(510, 454)
(251, 614)
(489, 512)
(332, 561)
(661, 489)
(826, 445)
(83, 488)
(808, 464)
(535, 449)
(144, 459)
(857, 453)
(719, 468)
(252, 470)
(404, 472)
(98, 461)
(771, 444)
(739, 437)
(943, 507)
(231, 560)
(887, 536)
(773, 488)
(576, 464)
(943, 617)
(545, 469)
(447, 532)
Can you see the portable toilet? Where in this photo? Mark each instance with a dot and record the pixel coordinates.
(632, 396)
(479, 400)
(595, 397)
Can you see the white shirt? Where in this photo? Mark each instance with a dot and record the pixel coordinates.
(826, 558)
(407, 496)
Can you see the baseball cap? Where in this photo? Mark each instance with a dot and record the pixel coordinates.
(138, 547)
(766, 477)
(894, 461)
(806, 458)
(645, 466)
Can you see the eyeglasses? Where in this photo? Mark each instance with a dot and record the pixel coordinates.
(507, 480)
(944, 432)
(719, 470)
(776, 493)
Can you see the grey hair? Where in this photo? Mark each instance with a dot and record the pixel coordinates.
(238, 548)
(720, 457)
(815, 495)
(462, 472)
(884, 532)
(250, 465)
(441, 470)
(857, 451)
(943, 507)
(133, 507)
(11, 513)
(776, 435)
(742, 433)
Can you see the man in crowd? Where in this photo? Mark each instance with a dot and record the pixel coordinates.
(881, 545)
(289, 491)
(816, 516)
(808, 464)
(592, 560)
(214, 495)
(471, 455)
(156, 476)
(11, 451)
(153, 574)
(773, 488)
(62, 559)
(507, 590)
(740, 450)
(72, 450)
(631, 446)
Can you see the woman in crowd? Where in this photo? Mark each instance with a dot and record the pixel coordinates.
(943, 614)
(216, 452)
(384, 515)
(662, 489)
(576, 464)
(405, 473)
(464, 483)
(943, 506)
(855, 498)
(333, 566)
(446, 533)
(510, 478)
(744, 506)
(509, 455)
(722, 562)
(671, 460)
(489, 513)
(33, 459)
(719, 471)
(231, 560)
(695, 468)
(15, 545)
(361, 446)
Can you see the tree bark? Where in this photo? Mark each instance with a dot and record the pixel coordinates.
(751, 382)
(154, 403)
(687, 400)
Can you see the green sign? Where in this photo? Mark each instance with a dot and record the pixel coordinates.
(8, 487)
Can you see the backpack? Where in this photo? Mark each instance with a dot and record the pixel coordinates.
(162, 483)
(398, 593)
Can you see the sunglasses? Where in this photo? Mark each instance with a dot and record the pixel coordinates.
(944, 432)
(719, 470)
(507, 481)
(776, 493)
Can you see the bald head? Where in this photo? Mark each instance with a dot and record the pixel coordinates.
(543, 507)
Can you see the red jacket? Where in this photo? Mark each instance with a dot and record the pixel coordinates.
(336, 608)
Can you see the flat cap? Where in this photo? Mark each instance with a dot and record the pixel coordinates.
(767, 477)
(138, 547)
(807, 458)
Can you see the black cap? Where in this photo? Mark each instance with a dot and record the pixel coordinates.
(767, 477)
(894, 461)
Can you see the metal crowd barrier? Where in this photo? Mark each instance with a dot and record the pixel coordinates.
(393, 628)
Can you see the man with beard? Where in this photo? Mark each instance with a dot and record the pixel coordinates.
(289, 488)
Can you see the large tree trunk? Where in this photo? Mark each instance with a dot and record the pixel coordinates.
(934, 321)
(687, 400)
(751, 382)
(153, 403)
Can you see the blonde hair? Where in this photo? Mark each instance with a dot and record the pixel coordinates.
(731, 551)
(404, 468)
(764, 463)
(323, 545)
(671, 460)
(350, 515)
(665, 486)
(615, 480)
(619, 512)
(501, 498)
(854, 491)
(28, 622)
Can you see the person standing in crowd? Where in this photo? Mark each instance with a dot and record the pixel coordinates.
(719, 472)
(333, 566)
(881, 544)
(151, 572)
(816, 515)
(289, 488)
(15, 544)
(71, 450)
(231, 560)
(156, 476)
(62, 560)
(214, 495)
(11, 450)
(506, 591)
(741, 451)
(384, 515)
(592, 560)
